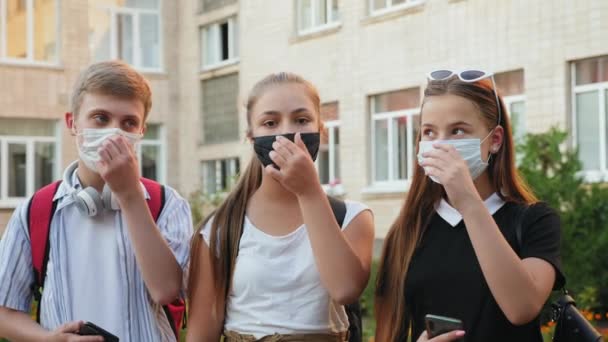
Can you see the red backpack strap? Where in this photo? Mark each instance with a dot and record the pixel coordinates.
(175, 311)
(39, 216)
(157, 196)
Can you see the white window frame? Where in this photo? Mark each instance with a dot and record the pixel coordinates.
(233, 42)
(392, 184)
(390, 7)
(316, 27)
(334, 189)
(510, 100)
(30, 151)
(114, 12)
(218, 173)
(158, 142)
(29, 59)
(600, 175)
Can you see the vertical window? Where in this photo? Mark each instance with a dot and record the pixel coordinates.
(590, 106)
(219, 43)
(395, 125)
(28, 156)
(127, 30)
(219, 175)
(316, 15)
(29, 31)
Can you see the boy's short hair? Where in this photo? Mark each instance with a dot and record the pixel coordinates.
(114, 78)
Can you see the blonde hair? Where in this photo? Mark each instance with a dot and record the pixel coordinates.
(114, 78)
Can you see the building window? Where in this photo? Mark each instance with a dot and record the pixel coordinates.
(379, 7)
(328, 160)
(219, 175)
(219, 109)
(511, 87)
(219, 44)
(28, 156)
(151, 154)
(394, 128)
(316, 15)
(590, 108)
(127, 30)
(211, 5)
(29, 31)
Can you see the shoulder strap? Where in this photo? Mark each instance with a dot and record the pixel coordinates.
(519, 226)
(39, 216)
(339, 208)
(157, 196)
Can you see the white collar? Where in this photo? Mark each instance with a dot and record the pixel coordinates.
(453, 217)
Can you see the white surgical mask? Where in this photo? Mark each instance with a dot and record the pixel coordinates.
(93, 138)
(469, 150)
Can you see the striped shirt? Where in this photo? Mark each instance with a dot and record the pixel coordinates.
(144, 320)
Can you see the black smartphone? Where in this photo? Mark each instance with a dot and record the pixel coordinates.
(437, 325)
(90, 329)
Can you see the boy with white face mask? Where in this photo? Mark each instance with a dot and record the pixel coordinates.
(119, 243)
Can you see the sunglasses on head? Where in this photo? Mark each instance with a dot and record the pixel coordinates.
(469, 76)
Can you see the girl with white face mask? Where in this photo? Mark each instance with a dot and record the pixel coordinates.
(453, 251)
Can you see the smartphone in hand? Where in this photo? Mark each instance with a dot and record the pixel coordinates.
(437, 325)
(90, 329)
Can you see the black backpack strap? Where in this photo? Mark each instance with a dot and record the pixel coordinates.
(353, 311)
(339, 208)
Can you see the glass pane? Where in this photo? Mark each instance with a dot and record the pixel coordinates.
(378, 4)
(400, 158)
(397, 100)
(211, 45)
(337, 154)
(45, 31)
(225, 42)
(335, 13)
(592, 70)
(125, 37)
(321, 12)
(152, 132)
(305, 14)
(219, 115)
(99, 34)
(587, 132)
(381, 150)
(27, 127)
(398, 2)
(44, 164)
(323, 164)
(16, 170)
(16, 29)
(147, 4)
(150, 40)
(235, 38)
(518, 120)
(210, 179)
(150, 161)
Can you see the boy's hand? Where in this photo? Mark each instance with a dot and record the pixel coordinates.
(119, 168)
(69, 333)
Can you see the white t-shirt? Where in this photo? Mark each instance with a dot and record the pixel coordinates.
(277, 287)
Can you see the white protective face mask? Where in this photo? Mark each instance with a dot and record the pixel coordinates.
(93, 138)
(469, 150)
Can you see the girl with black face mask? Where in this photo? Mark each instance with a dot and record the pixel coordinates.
(272, 259)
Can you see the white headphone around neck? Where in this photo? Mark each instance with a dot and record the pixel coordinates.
(88, 200)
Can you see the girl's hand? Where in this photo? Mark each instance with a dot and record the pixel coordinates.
(446, 164)
(297, 170)
(451, 336)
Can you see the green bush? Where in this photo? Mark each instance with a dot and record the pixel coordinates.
(552, 172)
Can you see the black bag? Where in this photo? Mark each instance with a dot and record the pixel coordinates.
(353, 311)
(571, 325)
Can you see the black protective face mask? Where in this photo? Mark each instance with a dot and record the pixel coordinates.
(263, 145)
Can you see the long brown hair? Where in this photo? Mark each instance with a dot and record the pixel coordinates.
(227, 224)
(419, 206)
